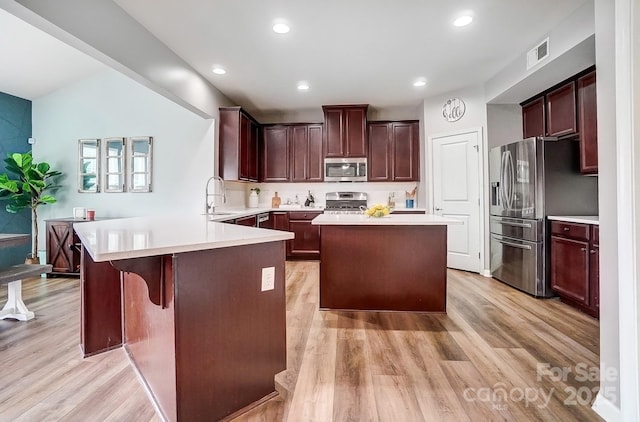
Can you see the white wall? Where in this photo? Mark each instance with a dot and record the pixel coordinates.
(504, 124)
(112, 105)
(570, 51)
(607, 198)
(435, 124)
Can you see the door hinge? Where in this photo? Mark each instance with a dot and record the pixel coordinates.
(478, 255)
(476, 148)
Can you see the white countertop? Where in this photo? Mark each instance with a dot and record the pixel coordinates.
(584, 219)
(137, 237)
(389, 220)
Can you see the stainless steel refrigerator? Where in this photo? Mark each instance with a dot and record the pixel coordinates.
(530, 180)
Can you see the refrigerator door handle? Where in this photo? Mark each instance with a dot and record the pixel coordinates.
(514, 245)
(508, 223)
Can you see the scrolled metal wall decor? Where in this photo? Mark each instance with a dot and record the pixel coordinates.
(453, 109)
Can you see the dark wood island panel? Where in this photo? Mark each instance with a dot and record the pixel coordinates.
(209, 341)
(383, 267)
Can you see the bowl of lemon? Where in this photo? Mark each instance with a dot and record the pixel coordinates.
(377, 211)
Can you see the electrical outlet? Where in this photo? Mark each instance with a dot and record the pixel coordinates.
(268, 278)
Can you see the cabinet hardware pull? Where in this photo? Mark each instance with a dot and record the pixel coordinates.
(566, 229)
(583, 249)
(515, 245)
(592, 251)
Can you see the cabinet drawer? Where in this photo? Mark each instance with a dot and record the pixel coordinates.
(572, 230)
(303, 215)
(595, 234)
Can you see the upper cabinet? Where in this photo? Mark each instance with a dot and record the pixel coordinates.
(345, 130)
(394, 151)
(238, 140)
(568, 109)
(561, 110)
(588, 123)
(533, 118)
(275, 153)
(292, 153)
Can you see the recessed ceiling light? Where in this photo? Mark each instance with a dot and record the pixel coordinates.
(463, 20)
(419, 83)
(281, 28)
(303, 86)
(218, 70)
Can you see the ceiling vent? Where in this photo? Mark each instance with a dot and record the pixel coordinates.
(538, 53)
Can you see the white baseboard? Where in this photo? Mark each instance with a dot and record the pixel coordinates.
(486, 273)
(606, 409)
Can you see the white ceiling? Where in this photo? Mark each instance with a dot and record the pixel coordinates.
(350, 51)
(34, 63)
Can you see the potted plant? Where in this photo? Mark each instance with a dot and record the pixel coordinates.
(27, 187)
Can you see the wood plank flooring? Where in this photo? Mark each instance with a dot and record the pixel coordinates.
(482, 361)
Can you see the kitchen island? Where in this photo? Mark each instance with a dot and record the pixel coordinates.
(393, 263)
(199, 307)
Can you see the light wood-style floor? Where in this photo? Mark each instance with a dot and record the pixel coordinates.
(482, 361)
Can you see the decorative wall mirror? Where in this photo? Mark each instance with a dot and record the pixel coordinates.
(140, 163)
(88, 165)
(114, 164)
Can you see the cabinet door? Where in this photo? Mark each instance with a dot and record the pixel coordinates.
(587, 123)
(533, 118)
(570, 268)
(306, 243)
(275, 160)
(594, 274)
(333, 133)
(252, 164)
(61, 250)
(247, 221)
(355, 132)
(406, 154)
(280, 221)
(299, 148)
(379, 161)
(314, 156)
(561, 110)
(245, 135)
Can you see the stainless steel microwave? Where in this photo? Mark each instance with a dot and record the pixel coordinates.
(345, 169)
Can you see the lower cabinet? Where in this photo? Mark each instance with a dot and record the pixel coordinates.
(63, 250)
(306, 243)
(250, 221)
(574, 265)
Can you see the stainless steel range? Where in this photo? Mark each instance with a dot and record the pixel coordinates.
(345, 202)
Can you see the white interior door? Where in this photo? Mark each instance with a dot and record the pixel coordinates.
(456, 185)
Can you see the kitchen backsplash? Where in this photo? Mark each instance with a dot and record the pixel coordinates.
(238, 192)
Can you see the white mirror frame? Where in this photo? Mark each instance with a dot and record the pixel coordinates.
(82, 174)
(110, 172)
(134, 158)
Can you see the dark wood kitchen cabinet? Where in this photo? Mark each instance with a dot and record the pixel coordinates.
(63, 250)
(306, 153)
(238, 140)
(250, 221)
(292, 153)
(533, 118)
(394, 151)
(345, 133)
(574, 265)
(552, 114)
(275, 153)
(588, 123)
(561, 110)
(306, 243)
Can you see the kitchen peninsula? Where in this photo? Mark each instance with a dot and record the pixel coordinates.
(393, 263)
(199, 307)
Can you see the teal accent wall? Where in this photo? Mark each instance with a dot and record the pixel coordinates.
(15, 130)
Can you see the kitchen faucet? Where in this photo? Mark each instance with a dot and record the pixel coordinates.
(210, 208)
